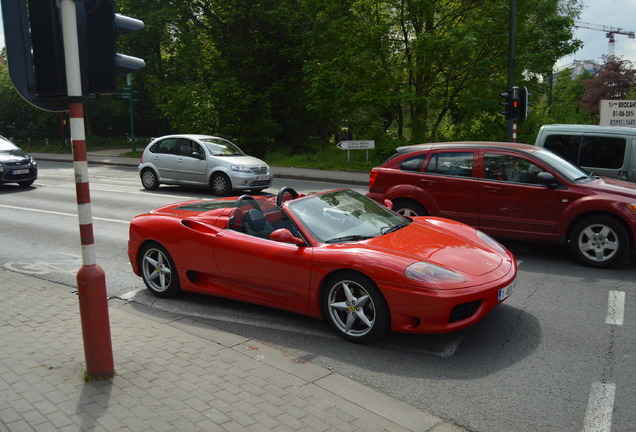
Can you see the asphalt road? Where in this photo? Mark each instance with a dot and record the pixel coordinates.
(558, 355)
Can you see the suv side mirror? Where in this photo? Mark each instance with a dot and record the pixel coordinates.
(546, 179)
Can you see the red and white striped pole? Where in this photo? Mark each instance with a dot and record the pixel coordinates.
(91, 280)
(514, 131)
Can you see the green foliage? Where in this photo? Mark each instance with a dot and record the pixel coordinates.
(286, 76)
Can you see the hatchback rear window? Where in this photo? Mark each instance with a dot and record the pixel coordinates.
(413, 163)
(455, 163)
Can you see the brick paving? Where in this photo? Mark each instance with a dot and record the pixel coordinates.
(172, 374)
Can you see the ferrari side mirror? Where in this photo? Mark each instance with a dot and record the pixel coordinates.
(284, 235)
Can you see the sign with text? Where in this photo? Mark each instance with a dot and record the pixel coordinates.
(618, 113)
(356, 145)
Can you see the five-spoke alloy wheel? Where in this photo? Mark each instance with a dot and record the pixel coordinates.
(355, 307)
(599, 241)
(158, 270)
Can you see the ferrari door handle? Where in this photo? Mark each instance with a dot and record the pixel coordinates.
(427, 182)
(492, 188)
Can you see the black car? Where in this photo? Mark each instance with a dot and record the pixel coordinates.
(16, 165)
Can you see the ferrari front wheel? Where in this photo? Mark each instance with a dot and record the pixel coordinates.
(355, 307)
(158, 270)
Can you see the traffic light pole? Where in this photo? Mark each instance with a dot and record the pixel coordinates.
(91, 281)
(511, 59)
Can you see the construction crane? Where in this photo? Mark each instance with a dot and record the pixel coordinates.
(609, 33)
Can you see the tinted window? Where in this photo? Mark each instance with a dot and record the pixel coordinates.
(187, 147)
(566, 146)
(455, 164)
(168, 146)
(602, 152)
(510, 168)
(412, 164)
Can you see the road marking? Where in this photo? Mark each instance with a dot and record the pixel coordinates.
(615, 308)
(600, 404)
(61, 213)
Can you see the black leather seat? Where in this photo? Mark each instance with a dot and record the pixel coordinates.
(255, 224)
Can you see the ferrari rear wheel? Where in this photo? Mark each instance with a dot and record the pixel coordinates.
(355, 307)
(158, 270)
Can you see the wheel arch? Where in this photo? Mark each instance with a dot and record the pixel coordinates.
(218, 170)
(409, 193)
(342, 272)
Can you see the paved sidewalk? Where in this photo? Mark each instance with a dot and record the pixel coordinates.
(172, 374)
(113, 157)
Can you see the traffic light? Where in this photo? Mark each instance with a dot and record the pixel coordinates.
(515, 103)
(102, 28)
(524, 102)
(35, 49)
(505, 104)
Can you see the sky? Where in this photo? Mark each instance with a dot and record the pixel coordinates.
(610, 13)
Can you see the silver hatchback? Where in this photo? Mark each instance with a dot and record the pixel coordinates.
(202, 160)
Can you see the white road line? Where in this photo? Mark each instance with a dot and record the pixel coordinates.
(615, 308)
(600, 404)
(61, 213)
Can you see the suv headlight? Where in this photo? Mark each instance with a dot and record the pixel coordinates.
(241, 168)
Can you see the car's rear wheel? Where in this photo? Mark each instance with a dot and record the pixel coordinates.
(149, 179)
(409, 208)
(599, 241)
(220, 184)
(355, 307)
(158, 270)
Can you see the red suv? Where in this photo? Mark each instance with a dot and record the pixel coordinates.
(514, 191)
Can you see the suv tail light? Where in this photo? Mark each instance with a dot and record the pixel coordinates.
(372, 177)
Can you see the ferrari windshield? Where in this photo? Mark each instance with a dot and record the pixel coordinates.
(344, 216)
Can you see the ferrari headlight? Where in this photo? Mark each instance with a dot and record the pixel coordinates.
(241, 168)
(632, 207)
(491, 241)
(431, 273)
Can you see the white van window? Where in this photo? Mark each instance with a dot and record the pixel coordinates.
(589, 151)
(602, 152)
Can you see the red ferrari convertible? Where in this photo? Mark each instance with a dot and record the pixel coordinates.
(336, 254)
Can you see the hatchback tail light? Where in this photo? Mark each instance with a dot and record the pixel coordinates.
(372, 177)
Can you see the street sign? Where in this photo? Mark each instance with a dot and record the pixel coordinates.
(356, 145)
(618, 113)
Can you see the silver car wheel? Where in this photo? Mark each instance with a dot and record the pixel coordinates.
(220, 184)
(356, 308)
(149, 179)
(599, 241)
(158, 271)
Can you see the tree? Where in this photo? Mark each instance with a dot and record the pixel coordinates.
(615, 79)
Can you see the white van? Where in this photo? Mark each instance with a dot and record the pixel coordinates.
(604, 150)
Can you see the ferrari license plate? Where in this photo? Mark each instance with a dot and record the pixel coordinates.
(20, 171)
(504, 293)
